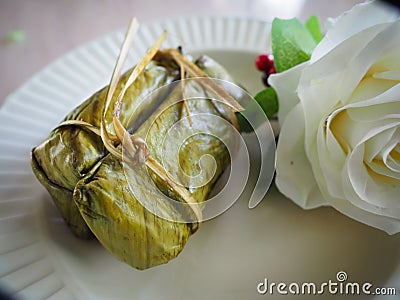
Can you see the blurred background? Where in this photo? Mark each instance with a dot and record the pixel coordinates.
(35, 33)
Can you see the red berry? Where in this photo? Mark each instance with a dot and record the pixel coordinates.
(264, 62)
(272, 70)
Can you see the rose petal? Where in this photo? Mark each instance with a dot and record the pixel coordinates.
(339, 73)
(294, 176)
(387, 224)
(382, 104)
(350, 133)
(378, 191)
(360, 17)
(389, 75)
(365, 213)
(285, 85)
(392, 159)
(351, 123)
(376, 144)
(381, 168)
(331, 158)
(370, 88)
(390, 59)
(385, 164)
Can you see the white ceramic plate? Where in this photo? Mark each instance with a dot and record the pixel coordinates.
(227, 258)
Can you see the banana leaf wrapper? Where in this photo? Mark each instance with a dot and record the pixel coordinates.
(120, 222)
(71, 151)
(89, 186)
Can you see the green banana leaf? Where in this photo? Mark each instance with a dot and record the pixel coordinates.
(90, 187)
(70, 152)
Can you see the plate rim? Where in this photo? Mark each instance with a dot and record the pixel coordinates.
(147, 24)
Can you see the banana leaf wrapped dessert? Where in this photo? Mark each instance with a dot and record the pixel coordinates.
(70, 151)
(83, 163)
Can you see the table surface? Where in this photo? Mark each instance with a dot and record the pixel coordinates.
(48, 29)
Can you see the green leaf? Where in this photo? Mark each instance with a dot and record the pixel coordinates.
(292, 43)
(268, 100)
(16, 36)
(312, 24)
(243, 123)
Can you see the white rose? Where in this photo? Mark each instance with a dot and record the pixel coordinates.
(339, 143)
